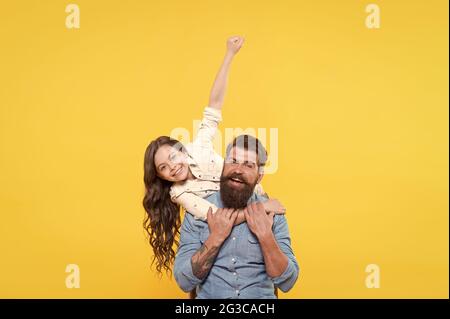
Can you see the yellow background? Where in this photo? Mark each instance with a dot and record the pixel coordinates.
(362, 117)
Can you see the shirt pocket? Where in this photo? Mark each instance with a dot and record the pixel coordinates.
(254, 252)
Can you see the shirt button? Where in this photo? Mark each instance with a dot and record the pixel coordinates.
(237, 292)
(233, 260)
(234, 238)
(234, 273)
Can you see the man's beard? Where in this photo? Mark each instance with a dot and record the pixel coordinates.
(236, 198)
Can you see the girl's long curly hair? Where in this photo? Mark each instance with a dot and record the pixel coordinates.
(162, 220)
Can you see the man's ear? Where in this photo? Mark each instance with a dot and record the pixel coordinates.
(260, 176)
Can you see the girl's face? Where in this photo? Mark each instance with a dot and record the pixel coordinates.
(171, 164)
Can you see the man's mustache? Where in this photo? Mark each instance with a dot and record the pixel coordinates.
(239, 177)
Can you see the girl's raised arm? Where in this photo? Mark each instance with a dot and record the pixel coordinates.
(217, 94)
(212, 114)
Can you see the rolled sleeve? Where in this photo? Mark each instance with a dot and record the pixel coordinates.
(189, 244)
(288, 278)
(185, 278)
(212, 114)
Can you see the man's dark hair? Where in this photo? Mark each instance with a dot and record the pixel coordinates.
(249, 143)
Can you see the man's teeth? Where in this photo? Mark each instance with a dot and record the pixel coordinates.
(236, 180)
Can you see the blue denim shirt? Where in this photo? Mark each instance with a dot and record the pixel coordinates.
(238, 270)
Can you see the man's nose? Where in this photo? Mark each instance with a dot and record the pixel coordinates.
(237, 169)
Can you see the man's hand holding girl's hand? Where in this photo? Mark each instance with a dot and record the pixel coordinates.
(259, 222)
(220, 223)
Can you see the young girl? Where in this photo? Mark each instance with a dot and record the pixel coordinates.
(182, 176)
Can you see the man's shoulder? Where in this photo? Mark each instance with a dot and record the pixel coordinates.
(260, 197)
(214, 198)
(279, 218)
(193, 225)
(280, 223)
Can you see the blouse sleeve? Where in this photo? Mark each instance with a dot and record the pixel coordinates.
(195, 205)
(208, 127)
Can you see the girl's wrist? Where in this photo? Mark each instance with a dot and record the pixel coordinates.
(229, 55)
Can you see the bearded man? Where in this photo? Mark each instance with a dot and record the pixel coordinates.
(249, 260)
